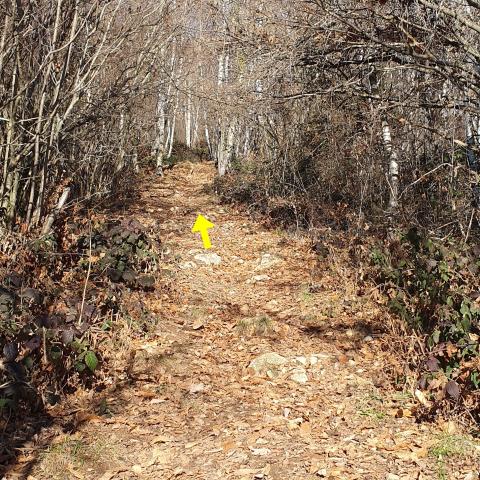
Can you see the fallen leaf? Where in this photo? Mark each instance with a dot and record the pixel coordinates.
(161, 439)
(342, 358)
(145, 394)
(305, 428)
(422, 399)
(198, 324)
(453, 389)
(228, 445)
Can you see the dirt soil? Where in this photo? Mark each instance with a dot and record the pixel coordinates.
(190, 407)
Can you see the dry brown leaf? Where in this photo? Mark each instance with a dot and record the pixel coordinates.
(161, 439)
(191, 444)
(74, 473)
(228, 445)
(198, 324)
(342, 359)
(305, 428)
(145, 394)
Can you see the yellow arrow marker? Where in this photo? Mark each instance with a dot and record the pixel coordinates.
(202, 225)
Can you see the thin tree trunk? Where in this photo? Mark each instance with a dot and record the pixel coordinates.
(188, 122)
(392, 166)
(160, 134)
(51, 218)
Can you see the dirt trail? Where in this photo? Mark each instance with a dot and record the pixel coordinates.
(193, 409)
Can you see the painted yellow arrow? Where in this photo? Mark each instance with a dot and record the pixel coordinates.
(202, 225)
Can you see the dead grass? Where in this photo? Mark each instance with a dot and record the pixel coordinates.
(258, 326)
(62, 459)
(450, 448)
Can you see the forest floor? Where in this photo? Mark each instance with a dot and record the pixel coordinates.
(192, 408)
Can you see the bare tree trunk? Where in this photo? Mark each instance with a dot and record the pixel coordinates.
(188, 122)
(226, 148)
(136, 167)
(160, 132)
(121, 147)
(51, 218)
(392, 166)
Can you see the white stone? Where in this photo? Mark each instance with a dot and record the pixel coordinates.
(260, 278)
(208, 258)
(301, 361)
(299, 376)
(188, 265)
(267, 260)
(261, 452)
(196, 388)
(270, 364)
(272, 306)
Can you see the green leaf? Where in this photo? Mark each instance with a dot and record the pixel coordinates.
(78, 346)
(80, 367)
(55, 352)
(91, 360)
(465, 309)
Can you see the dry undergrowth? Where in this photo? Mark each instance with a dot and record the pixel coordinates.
(191, 408)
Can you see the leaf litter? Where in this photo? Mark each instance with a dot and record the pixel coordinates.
(192, 407)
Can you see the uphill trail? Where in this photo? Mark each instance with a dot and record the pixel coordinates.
(194, 407)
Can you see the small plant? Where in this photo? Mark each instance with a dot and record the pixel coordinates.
(262, 325)
(71, 452)
(449, 446)
(371, 406)
(306, 295)
(254, 326)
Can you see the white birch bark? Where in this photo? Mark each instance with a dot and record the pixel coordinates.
(160, 132)
(51, 218)
(392, 165)
(188, 122)
(121, 153)
(226, 149)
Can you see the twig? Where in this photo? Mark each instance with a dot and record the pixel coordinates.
(87, 277)
(423, 176)
(44, 341)
(469, 227)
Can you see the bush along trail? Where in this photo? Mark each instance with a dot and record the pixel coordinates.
(253, 359)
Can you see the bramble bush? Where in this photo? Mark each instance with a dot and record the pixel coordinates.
(435, 288)
(57, 302)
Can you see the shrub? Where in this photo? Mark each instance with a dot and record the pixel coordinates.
(435, 288)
